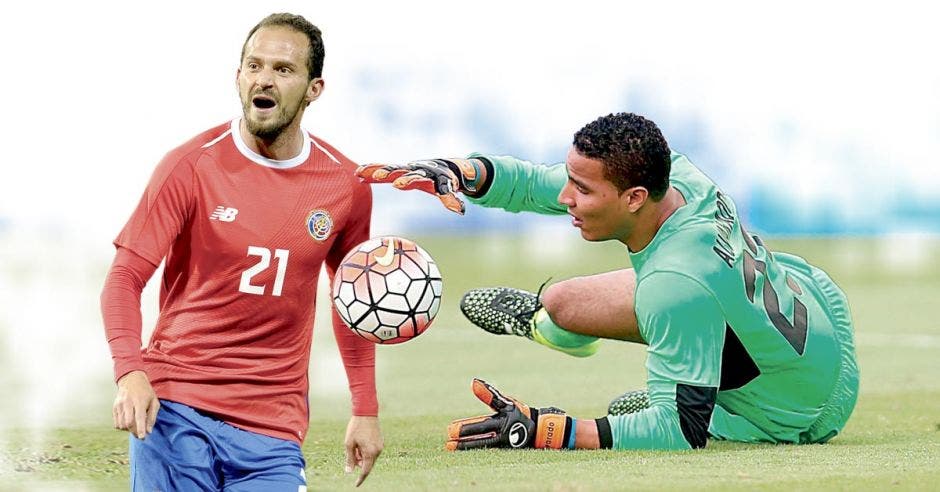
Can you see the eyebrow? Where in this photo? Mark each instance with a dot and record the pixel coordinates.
(578, 183)
(275, 62)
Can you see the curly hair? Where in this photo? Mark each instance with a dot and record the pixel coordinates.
(633, 150)
(316, 52)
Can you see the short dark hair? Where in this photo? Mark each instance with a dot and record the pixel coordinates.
(632, 148)
(296, 22)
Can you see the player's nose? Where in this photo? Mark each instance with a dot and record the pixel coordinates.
(565, 198)
(265, 78)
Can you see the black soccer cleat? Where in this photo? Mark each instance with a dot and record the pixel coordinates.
(629, 402)
(501, 310)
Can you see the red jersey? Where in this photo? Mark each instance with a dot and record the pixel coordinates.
(244, 239)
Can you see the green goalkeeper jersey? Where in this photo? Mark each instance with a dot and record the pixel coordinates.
(759, 338)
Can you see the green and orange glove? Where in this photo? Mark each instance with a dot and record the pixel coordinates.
(515, 425)
(443, 178)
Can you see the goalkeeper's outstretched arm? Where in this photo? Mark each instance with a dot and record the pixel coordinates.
(502, 182)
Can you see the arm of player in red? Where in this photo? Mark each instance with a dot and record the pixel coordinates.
(443, 178)
(136, 405)
(364, 441)
(516, 425)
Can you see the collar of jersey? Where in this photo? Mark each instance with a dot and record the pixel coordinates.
(264, 161)
(671, 225)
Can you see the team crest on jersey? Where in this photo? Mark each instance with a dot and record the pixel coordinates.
(319, 224)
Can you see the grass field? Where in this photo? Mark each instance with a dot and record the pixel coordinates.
(891, 442)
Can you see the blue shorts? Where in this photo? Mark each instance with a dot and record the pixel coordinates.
(189, 450)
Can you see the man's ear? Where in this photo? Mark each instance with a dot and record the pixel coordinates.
(314, 89)
(634, 198)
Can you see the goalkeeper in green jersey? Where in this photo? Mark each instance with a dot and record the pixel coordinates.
(745, 344)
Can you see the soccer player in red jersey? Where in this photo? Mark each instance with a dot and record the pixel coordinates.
(243, 215)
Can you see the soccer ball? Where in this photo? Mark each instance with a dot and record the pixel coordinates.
(387, 289)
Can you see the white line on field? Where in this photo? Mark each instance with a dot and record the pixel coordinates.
(907, 340)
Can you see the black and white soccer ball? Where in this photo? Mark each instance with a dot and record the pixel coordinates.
(388, 290)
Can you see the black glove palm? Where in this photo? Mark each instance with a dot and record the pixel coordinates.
(515, 425)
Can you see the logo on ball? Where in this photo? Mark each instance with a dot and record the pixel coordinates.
(389, 256)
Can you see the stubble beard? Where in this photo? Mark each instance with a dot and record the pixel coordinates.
(272, 128)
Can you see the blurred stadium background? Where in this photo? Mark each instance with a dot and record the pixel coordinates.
(822, 122)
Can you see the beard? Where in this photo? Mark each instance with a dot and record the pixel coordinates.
(272, 127)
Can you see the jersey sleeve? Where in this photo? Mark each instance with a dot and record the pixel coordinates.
(120, 309)
(358, 354)
(162, 212)
(684, 326)
(520, 186)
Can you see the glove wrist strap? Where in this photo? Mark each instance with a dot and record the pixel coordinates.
(553, 431)
(475, 175)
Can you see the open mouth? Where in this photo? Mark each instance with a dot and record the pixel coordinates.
(263, 102)
(575, 221)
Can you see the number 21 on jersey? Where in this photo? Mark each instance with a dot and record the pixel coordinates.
(264, 261)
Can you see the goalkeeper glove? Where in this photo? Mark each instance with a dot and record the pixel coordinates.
(515, 425)
(440, 177)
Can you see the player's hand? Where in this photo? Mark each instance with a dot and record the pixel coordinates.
(515, 425)
(443, 178)
(363, 445)
(136, 405)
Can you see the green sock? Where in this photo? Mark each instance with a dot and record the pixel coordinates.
(553, 336)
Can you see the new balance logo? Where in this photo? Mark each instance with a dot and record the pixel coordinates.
(225, 214)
